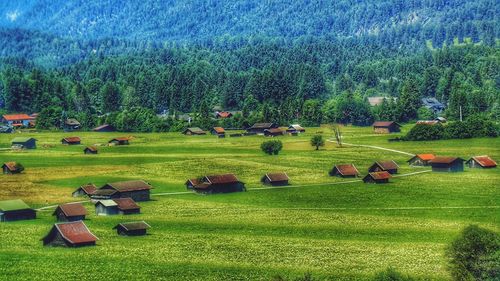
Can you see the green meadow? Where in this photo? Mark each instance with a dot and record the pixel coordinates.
(333, 228)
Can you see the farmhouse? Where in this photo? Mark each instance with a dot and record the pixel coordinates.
(275, 132)
(295, 129)
(120, 141)
(138, 228)
(421, 159)
(194, 131)
(433, 104)
(18, 120)
(122, 206)
(138, 190)
(481, 162)
(90, 150)
(218, 131)
(23, 142)
(71, 141)
(275, 179)
(70, 234)
(377, 177)
(344, 171)
(12, 168)
(71, 124)
(104, 128)
(223, 114)
(386, 127)
(216, 184)
(13, 210)
(389, 166)
(70, 212)
(85, 190)
(447, 164)
(259, 128)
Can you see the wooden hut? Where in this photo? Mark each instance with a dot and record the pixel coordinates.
(218, 131)
(137, 228)
(122, 206)
(90, 150)
(106, 207)
(223, 114)
(389, 166)
(484, 162)
(377, 177)
(24, 142)
(70, 234)
(104, 128)
(138, 190)
(386, 127)
(216, 184)
(275, 132)
(12, 168)
(13, 210)
(295, 129)
(259, 128)
(194, 131)
(120, 141)
(85, 190)
(344, 171)
(447, 164)
(70, 212)
(275, 179)
(71, 124)
(71, 141)
(421, 159)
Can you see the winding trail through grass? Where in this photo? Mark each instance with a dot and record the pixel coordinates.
(375, 147)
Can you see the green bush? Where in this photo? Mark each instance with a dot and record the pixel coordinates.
(272, 147)
(421, 132)
(475, 255)
(317, 141)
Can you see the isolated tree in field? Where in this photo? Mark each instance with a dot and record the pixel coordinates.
(475, 254)
(317, 141)
(272, 147)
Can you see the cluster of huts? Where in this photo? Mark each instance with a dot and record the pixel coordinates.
(266, 129)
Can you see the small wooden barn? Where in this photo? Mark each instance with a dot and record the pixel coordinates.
(275, 132)
(223, 114)
(386, 127)
(104, 128)
(295, 129)
(106, 207)
(71, 124)
(122, 206)
(421, 159)
(218, 131)
(259, 128)
(90, 150)
(275, 179)
(194, 131)
(13, 210)
(85, 190)
(216, 184)
(137, 228)
(12, 168)
(447, 164)
(377, 177)
(138, 190)
(344, 171)
(71, 141)
(484, 162)
(389, 166)
(120, 141)
(70, 234)
(70, 212)
(24, 142)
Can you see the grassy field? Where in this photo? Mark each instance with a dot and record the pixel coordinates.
(336, 229)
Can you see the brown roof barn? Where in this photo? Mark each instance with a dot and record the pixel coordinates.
(273, 132)
(218, 131)
(195, 131)
(389, 166)
(138, 190)
(70, 212)
(345, 171)
(481, 162)
(296, 128)
(132, 228)
(70, 234)
(12, 168)
(421, 159)
(386, 127)
(216, 184)
(275, 179)
(123, 206)
(104, 128)
(120, 141)
(447, 164)
(85, 190)
(71, 141)
(258, 128)
(90, 150)
(377, 177)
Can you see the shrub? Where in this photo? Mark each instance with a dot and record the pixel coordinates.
(272, 147)
(317, 141)
(421, 132)
(475, 255)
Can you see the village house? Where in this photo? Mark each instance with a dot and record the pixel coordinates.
(447, 164)
(18, 120)
(389, 166)
(14, 210)
(194, 131)
(218, 131)
(377, 177)
(223, 114)
(216, 184)
(24, 142)
(104, 128)
(70, 234)
(6, 130)
(344, 171)
(71, 141)
(275, 132)
(481, 162)
(138, 190)
(121, 206)
(275, 179)
(12, 168)
(386, 127)
(70, 212)
(295, 129)
(138, 228)
(433, 105)
(120, 141)
(85, 190)
(90, 150)
(421, 159)
(259, 128)
(71, 124)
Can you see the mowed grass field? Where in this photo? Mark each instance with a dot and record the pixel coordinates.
(335, 229)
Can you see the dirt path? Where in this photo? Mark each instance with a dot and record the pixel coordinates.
(376, 147)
